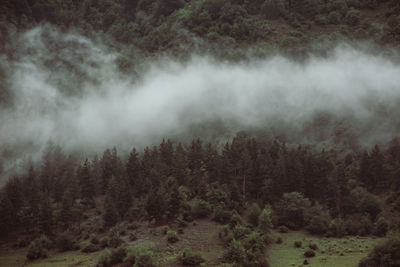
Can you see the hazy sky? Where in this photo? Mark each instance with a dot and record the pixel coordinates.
(67, 89)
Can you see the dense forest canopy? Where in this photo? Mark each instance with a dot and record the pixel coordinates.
(264, 116)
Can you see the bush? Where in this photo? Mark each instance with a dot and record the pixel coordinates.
(383, 255)
(144, 257)
(89, 247)
(201, 209)
(189, 258)
(265, 220)
(283, 229)
(172, 236)
(104, 242)
(239, 232)
(334, 18)
(297, 244)
(65, 242)
(105, 258)
(36, 250)
(235, 252)
(94, 239)
(254, 213)
(381, 226)
(117, 255)
(165, 229)
(313, 246)
(352, 17)
(235, 220)
(114, 240)
(221, 215)
(309, 253)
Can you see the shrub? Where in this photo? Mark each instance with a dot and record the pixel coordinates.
(65, 242)
(235, 220)
(283, 229)
(337, 227)
(221, 215)
(381, 226)
(201, 209)
(117, 255)
(105, 258)
(89, 247)
(254, 213)
(165, 229)
(297, 244)
(114, 240)
(279, 240)
(334, 18)
(94, 239)
(172, 236)
(189, 258)
(180, 221)
(313, 246)
(309, 253)
(239, 232)
(383, 255)
(144, 257)
(36, 250)
(265, 220)
(352, 17)
(104, 242)
(235, 252)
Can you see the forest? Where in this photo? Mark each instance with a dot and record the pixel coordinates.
(199, 133)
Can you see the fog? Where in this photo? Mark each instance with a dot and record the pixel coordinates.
(68, 89)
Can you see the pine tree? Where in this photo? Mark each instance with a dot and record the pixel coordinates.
(86, 183)
(45, 215)
(133, 170)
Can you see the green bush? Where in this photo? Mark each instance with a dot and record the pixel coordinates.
(334, 18)
(189, 258)
(104, 242)
(201, 209)
(383, 255)
(172, 236)
(36, 250)
(309, 253)
(65, 242)
(265, 220)
(94, 239)
(240, 231)
(89, 247)
(381, 226)
(254, 213)
(283, 229)
(235, 252)
(297, 244)
(352, 17)
(114, 240)
(105, 258)
(221, 215)
(144, 257)
(117, 255)
(235, 220)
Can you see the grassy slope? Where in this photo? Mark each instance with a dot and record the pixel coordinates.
(331, 252)
(203, 237)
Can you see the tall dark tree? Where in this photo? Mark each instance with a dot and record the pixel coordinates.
(86, 184)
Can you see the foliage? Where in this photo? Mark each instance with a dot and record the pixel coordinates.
(190, 258)
(172, 236)
(201, 209)
(65, 242)
(254, 214)
(386, 254)
(37, 249)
